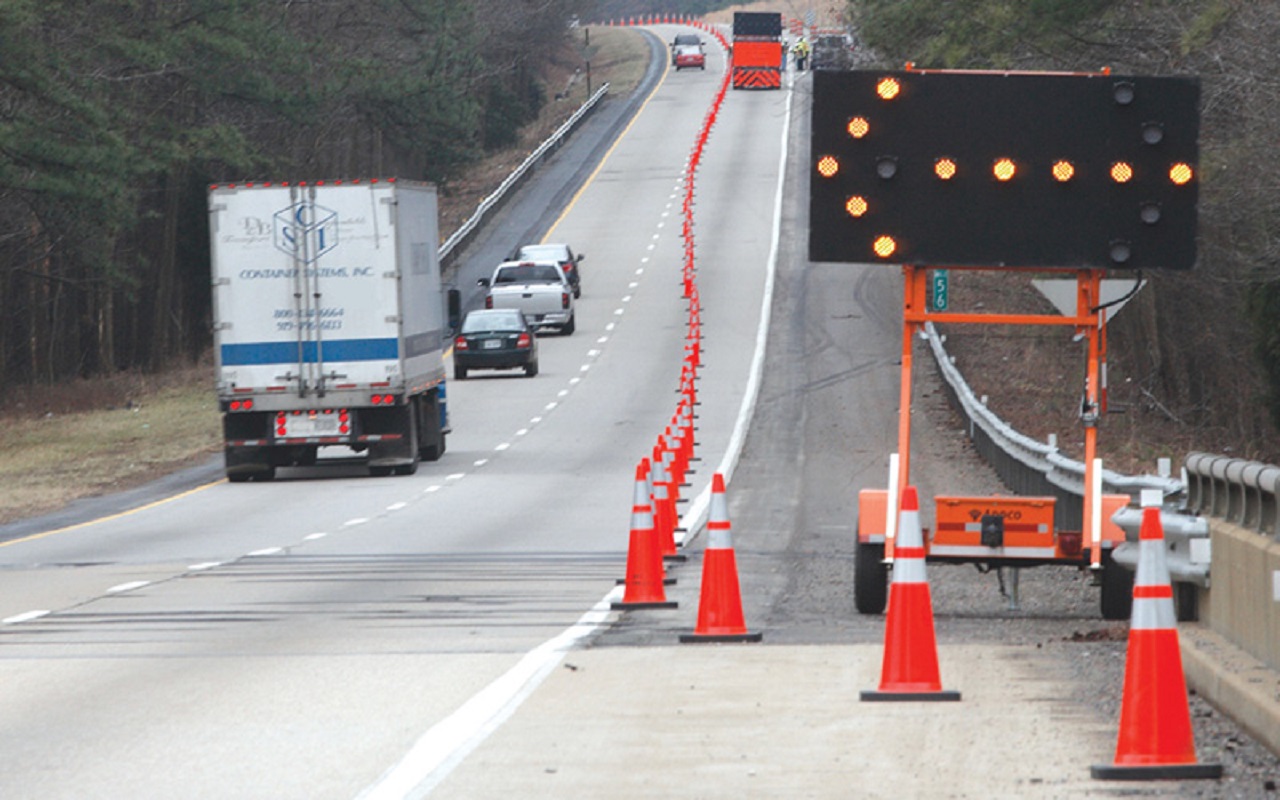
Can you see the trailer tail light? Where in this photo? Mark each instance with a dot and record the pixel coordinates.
(344, 421)
(242, 405)
(460, 343)
(383, 399)
(525, 341)
(564, 300)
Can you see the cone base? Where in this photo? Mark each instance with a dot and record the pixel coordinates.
(712, 638)
(944, 696)
(1153, 772)
(681, 557)
(619, 605)
(665, 582)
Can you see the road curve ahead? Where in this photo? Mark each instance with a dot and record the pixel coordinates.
(303, 638)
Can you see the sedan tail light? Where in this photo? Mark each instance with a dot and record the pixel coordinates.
(525, 341)
(460, 343)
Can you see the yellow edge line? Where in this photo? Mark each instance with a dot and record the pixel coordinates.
(121, 515)
(666, 68)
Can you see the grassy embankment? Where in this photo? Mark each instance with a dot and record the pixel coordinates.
(90, 437)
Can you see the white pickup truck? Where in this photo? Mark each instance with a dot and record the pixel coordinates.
(538, 288)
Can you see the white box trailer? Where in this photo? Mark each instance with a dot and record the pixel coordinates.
(329, 323)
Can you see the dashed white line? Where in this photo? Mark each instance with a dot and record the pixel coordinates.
(311, 537)
(481, 462)
(617, 312)
(25, 617)
(550, 406)
(266, 551)
(396, 506)
(584, 367)
(457, 476)
(207, 565)
(127, 587)
(503, 446)
(435, 487)
(592, 353)
(602, 340)
(562, 393)
(575, 381)
(535, 420)
(356, 521)
(522, 432)
(626, 299)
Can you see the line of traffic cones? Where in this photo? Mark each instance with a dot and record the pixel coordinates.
(661, 477)
(910, 667)
(1155, 741)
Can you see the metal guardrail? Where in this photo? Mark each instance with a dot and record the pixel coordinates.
(454, 245)
(1030, 467)
(1245, 493)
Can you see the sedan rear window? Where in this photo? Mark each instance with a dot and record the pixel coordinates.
(498, 321)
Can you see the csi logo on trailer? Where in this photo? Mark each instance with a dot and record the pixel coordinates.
(1004, 169)
(306, 231)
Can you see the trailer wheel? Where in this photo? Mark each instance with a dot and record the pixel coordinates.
(870, 578)
(430, 431)
(1117, 590)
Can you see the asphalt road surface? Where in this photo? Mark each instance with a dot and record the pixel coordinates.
(331, 635)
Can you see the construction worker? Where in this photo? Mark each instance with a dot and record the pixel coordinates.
(801, 53)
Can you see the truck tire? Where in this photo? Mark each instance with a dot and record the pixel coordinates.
(568, 328)
(430, 434)
(870, 578)
(1117, 590)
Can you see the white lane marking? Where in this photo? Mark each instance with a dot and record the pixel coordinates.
(575, 381)
(207, 565)
(592, 353)
(481, 462)
(660, 225)
(650, 246)
(617, 312)
(535, 420)
(584, 367)
(396, 506)
(311, 537)
(457, 476)
(127, 587)
(562, 393)
(522, 432)
(551, 406)
(501, 447)
(626, 299)
(266, 551)
(611, 326)
(452, 739)
(25, 617)
(633, 284)
(602, 340)
(355, 521)
(435, 487)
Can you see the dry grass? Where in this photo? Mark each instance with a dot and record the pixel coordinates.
(89, 437)
(85, 438)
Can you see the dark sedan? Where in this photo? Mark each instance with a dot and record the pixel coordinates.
(499, 338)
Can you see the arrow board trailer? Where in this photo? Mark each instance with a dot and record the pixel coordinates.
(329, 324)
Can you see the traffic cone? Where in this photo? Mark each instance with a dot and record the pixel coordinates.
(644, 555)
(1155, 719)
(910, 667)
(664, 508)
(720, 607)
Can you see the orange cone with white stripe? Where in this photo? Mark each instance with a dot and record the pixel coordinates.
(910, 667)
(1155, 719)
(720, 608)
(644, 584)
